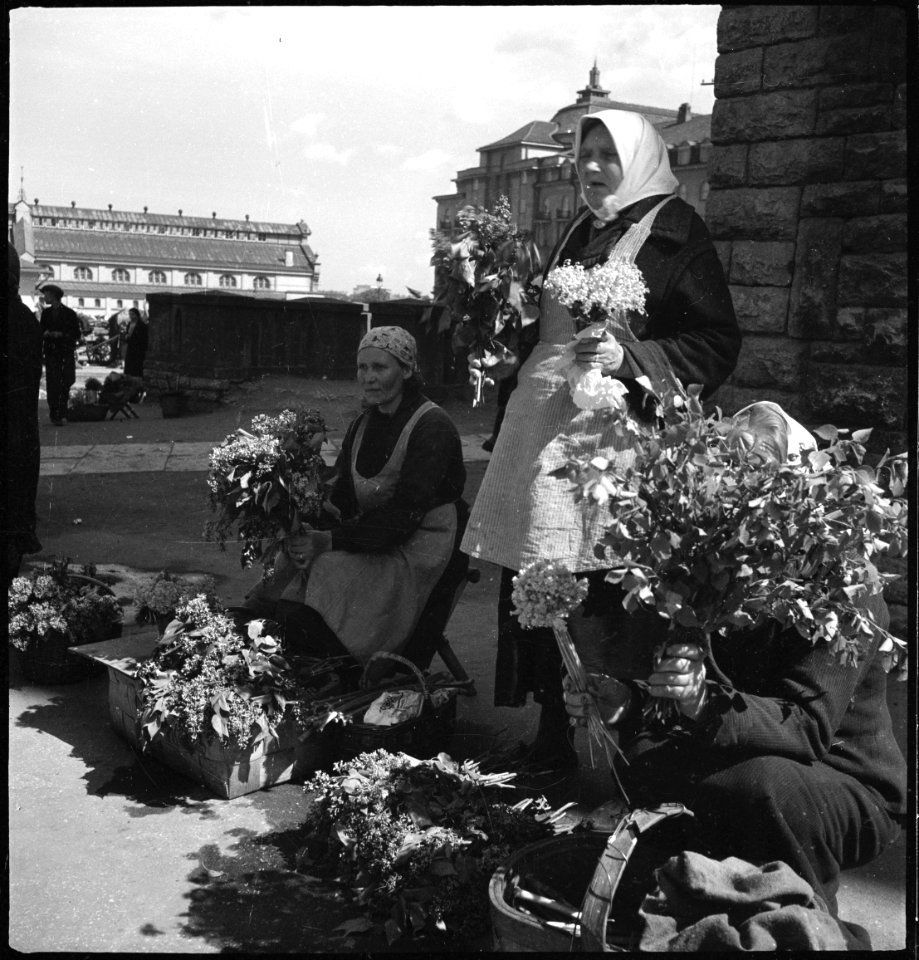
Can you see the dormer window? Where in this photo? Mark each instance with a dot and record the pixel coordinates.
(261, 283)
(227, 280)
(121, 276)
(156, 276)
(82, 273)
(192, 279)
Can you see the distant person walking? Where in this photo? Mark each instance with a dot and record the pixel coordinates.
(136, 339)
(23, 350)
(114, 339)
(60, 329)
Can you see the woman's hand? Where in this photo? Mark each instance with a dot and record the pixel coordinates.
(602, 351)
(679, 675)
(304, 547)
(612, 698)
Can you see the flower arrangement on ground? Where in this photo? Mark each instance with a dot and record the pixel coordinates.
(484, 279)
(265, 483)
(206, 678)
(55, 608)
(83, 402)
(417, 840)
(600, 298)
(156, 601)
(715, 537)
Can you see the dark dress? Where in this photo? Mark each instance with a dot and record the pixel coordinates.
(136, 340)
(60, 362)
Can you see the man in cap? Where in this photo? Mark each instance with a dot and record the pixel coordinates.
(61, 333)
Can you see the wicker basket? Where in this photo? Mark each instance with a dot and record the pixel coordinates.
(48, 659)
(422, 738)
(602, 877)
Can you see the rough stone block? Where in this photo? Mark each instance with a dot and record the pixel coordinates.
(765, 116)
(813, 291)
(876, 156)
(811, 160)
(820, 61)
(898, 117)
(886, 329)
(841, 199)
(760, 309)
(873, 280)
(731, 398)
(728, 166)
(757, 24)
(762, 264)
(849, 323)
(894, 196)
(724, 249)
(738, 73)
(841, 18)
(854, 120)
(884, 232)
(746, 214)
(888, 44)
(857, 396)
(773, 362)
(850, 354)
(847, 96)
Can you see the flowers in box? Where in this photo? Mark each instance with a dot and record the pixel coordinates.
(417, 840)
(484, 280)
(600, 298)
(206, 678)
(263, 483)
(159, 598)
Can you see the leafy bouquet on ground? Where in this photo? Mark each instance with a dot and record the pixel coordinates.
(157, 600)
(57, 603)
(600, 298)
(716, 538)
(485, 280)
(206, 678)
(417, 840)
(267, 483)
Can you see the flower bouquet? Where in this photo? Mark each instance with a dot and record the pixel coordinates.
(156, 601)
(206, 679)
(416, 841)
(83, 402)
(56, 608)
(716, 538)
(267, 483)
(600, 299)
(484, 278)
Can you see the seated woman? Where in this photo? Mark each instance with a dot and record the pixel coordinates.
(798, 762)
(361, 586)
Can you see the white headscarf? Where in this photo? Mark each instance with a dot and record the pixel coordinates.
(642, 154)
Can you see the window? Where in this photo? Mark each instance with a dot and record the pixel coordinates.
(119, 303)
(192, 280)
(82, 273)
(682, 191)
(705, 190)
(121, 276)
(136, 304)
(98, 303)
(156, 276)
(262, 236)
(196, 231)
(80, 302)
(261, 283)
(227, 280)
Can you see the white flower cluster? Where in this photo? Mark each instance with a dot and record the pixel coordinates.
(544, 592)
(609, 288)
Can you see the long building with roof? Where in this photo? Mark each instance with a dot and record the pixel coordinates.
(108, 260)
(533, 166)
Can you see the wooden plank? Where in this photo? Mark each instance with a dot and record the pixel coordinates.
(125, 653)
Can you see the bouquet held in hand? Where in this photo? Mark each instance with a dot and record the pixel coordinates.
(267, 483)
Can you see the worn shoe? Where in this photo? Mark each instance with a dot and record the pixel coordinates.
(489, 444)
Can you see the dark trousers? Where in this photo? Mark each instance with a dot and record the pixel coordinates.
(813, 818)
(60, 376)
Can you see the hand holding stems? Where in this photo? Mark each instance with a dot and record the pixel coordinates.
(304, 546)
(679, 675)
(595, 346)
(611, 698)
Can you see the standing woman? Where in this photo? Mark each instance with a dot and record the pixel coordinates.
(136, 340)
(525, 511)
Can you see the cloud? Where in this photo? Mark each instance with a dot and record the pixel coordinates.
(428, 160)
(387, 149)
(325, 151)
(307, 124)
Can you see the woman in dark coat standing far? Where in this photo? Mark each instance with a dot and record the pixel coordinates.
(136, 339)
(525, 510)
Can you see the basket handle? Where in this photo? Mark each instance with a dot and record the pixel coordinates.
(383, 655)
(610, 867)
(98, 584)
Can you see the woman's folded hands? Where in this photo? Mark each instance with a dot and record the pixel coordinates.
(304, 546)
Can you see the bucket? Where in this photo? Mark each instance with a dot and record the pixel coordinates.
(173, 404)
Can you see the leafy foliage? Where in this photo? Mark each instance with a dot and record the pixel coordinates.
(266, 483)
(485, 279)
(50, 601)
(165, 592)
(416, 841)
(206, 679)
(716, 537)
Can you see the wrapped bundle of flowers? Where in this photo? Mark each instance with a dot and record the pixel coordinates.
(266, 483)
(715, 537)
(484, 280)
(156, 601)
(600, 298)
(417, 840)
(206, 678)
(544, 593)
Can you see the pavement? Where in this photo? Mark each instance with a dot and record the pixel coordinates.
(114, 852)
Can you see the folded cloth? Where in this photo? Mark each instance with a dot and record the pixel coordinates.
(702, 904)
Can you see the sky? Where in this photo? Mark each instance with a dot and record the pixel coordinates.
(351, 118)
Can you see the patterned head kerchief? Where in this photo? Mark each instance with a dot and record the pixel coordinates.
(394, 340)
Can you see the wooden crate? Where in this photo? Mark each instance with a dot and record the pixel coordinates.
(228, 771)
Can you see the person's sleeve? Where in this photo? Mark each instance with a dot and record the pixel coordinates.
(705, 341)
(432, 473)
(341, 491)
(74, 331)
(796, 714)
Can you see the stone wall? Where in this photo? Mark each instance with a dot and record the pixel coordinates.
(808, 210)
